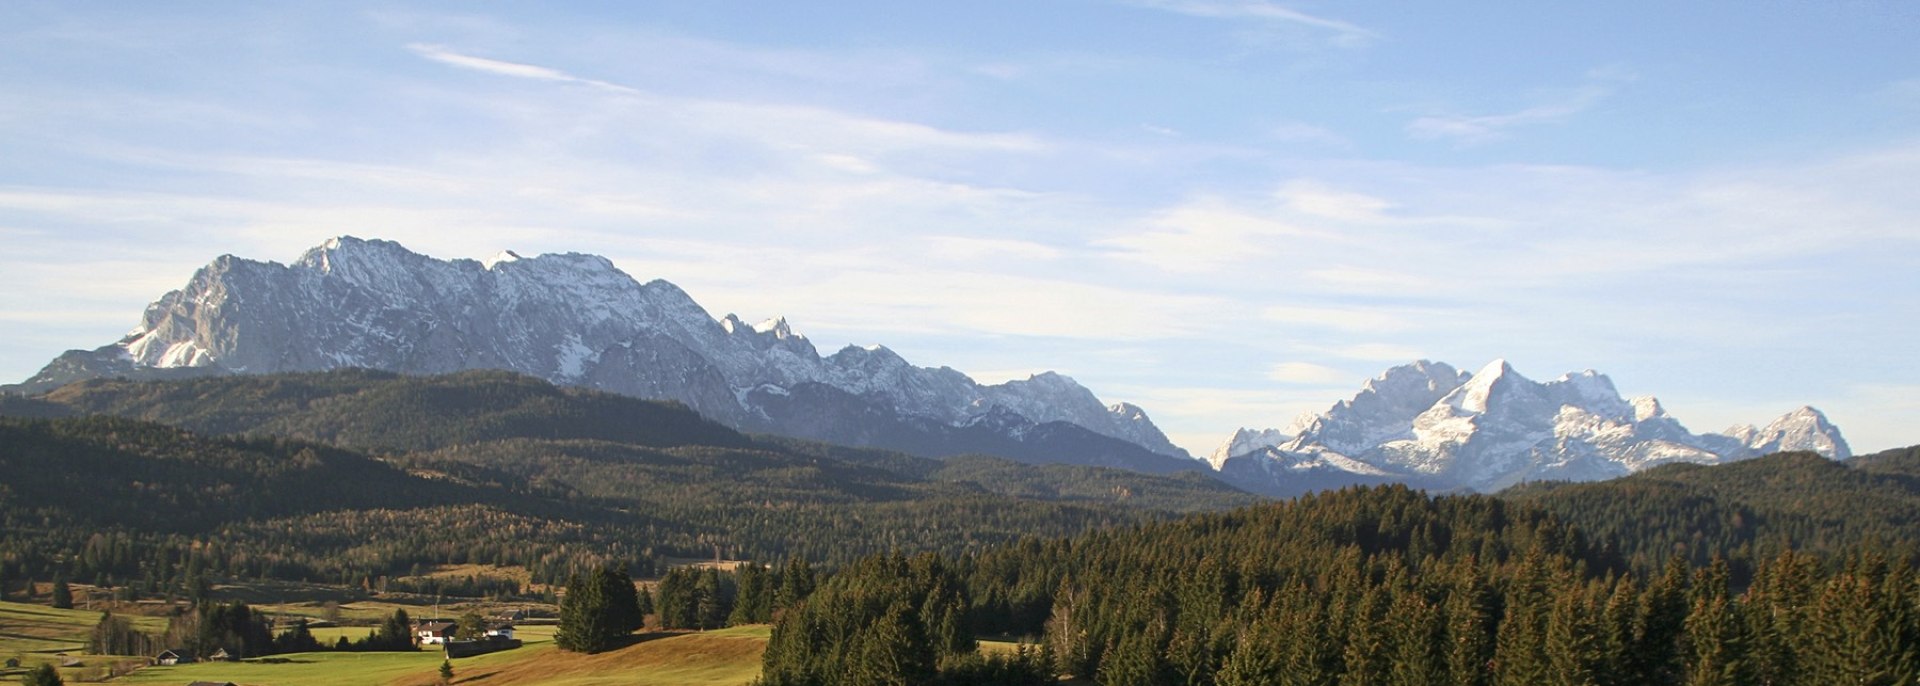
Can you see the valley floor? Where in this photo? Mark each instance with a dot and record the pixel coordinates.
(727, 657)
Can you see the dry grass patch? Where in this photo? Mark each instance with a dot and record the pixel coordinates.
(728, 657)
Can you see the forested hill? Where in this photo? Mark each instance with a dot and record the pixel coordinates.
(489, 468)
(1380, 586)
(387, 412)
(1746, 511)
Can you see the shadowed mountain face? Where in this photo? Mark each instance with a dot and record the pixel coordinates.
(577, 320)
(329, 475)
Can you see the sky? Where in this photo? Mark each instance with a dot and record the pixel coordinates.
(1225, 211)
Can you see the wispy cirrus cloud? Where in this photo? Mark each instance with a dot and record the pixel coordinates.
(1344, 34)
(1467, 129)
(1306, 373)
(504, 68)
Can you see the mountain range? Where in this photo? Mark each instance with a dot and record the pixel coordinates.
(577, 320)
(1429, 424)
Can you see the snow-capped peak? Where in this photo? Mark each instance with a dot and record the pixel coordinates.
(1427, 424)
(501, 257)
(1647, 407)
(1805, 428)
(1245, 441)
(777, 326)
(1477, 395)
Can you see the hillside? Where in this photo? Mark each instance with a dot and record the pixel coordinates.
(1364, 585)
(387, 412)
(1747, 511)
(501, 469)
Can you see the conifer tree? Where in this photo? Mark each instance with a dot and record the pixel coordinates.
(1255, 659)
(1469, 644)
(62, 593)
(1655, 658)
(796, 583)
(44, 675)
(1717, 642)
(1412, 637)
(599, 608)
(675, 601)
(1571, 646)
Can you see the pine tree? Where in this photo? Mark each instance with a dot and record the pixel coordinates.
(796, 583)
(1469, 641)
(894, 652)
(296, 639)
(1364, 655)
(712, 602)
(44, 675)
(675, 600)
(753, 601)
(1716, 637)
(1655, 658)
(1255, 660)
(598, 609)
(1134, 662)
(62, 593)
(1412, 637)
(446, 671)
(1572, 645)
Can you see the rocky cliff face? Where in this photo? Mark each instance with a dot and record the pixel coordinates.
(1428, 424)
(577, 319)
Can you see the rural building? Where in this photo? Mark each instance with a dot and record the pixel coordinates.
(169, 658)
(501, 631)
(221, 655)
(435, 633)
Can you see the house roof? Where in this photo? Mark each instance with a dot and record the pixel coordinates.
(437, 627)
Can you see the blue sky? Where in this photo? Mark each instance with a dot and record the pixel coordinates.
(1225, 211)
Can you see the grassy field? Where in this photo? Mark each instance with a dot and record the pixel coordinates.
(36, 633)
(728, 657)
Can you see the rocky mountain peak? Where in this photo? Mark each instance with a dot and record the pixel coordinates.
(1495, 427)
(569, 318)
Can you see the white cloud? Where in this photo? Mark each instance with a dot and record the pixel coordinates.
(503, 68)
(1306, 373)
(1203, 235)
(1302, 132)
(1317, 199)
(1466, 129)
(1369, 352)
(1345, 34)
(969, 249)
(1355, 319)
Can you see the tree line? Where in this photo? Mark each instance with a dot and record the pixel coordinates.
(1362, 586)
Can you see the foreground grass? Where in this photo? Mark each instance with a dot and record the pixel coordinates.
(729, 657)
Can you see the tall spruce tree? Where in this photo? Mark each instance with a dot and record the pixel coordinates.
(599, 609)
(62, 593)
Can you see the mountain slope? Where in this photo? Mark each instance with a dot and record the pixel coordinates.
(487, 466)
(576, 320)
(1747, 510)
(1433, 426)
